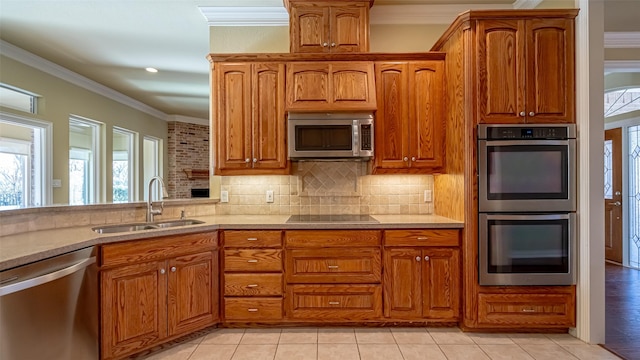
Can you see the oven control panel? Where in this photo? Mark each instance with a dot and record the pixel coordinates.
(524, 132)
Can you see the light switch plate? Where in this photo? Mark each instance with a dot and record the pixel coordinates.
(56, 183)
(427, 196)
(224, 196)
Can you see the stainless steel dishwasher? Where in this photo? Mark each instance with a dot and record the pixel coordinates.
(49, 309)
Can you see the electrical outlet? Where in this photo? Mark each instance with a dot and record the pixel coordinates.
(56, 183)
(427, 196)
(224, 196)
(269, 196)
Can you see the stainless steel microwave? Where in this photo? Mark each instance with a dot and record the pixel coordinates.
(330, 135)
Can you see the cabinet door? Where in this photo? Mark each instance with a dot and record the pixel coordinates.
(441, 283)
(348, 29)
(392, 125)
(426, 121)
(269, 122)
(193, 292)
(309, 29)
(352, 86)
(402, 283)
(501, 71)
(233, 116)
(307, 85)
(133, 308)
(550, 71)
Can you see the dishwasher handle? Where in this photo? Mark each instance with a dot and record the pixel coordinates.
(43, 279)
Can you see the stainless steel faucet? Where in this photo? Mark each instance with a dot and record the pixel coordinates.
(150, 210)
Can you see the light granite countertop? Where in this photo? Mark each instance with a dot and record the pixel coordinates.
(24, 248)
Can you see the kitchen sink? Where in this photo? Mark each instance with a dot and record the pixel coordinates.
(174, 223)
(111, 229)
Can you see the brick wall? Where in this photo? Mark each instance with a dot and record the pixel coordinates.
(188, 148)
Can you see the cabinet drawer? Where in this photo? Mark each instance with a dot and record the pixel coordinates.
(253, 308)
(335, 302)
(331, 238)
(440, 237)
(527, 309)
(252, 260)
(252, 284)
(333, 265)
(127, 252)
(251, 239)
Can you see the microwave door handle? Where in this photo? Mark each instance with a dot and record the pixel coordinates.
(356, 137)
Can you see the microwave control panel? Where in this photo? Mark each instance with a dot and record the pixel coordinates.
(366, 137)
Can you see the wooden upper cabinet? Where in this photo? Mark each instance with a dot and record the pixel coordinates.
(409, 133)
(330, 86)
(526, 70)
(329, 26)
(248, 116)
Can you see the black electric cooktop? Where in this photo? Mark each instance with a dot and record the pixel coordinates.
(331, 218)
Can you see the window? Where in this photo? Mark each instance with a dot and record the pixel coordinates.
(634, 195)
(25, 158)
(84, 161)
(152, 160)
(17, 99)
(621, 101)
(124, 156)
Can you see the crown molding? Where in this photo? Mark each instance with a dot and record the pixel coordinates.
(621, 40)
(245, 15)
(611, 66)
(34, 61)
(380, 14)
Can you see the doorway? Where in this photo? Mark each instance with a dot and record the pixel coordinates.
(613, 195)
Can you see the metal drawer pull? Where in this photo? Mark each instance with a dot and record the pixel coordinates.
(252, 261)
(252, 285)
(252, 239)
(528, 310)
(334, 302)
(332, 266)
(423, 238)
(252, 310)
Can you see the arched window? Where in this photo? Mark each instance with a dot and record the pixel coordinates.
(621, 101)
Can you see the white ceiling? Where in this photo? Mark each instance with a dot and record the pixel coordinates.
(112, 41)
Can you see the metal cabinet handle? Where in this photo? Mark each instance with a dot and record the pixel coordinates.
(252, 285)
(252, 310)
(252, 261)
(422, 238)
(324, 44)
(532, 114)
(528, 310)
(522, 113)
(405, 159)
(173, 269)
(413, 158)
(332, 266)
(426, 258)
(162, 271)
(252, 239)
(334, 302)
(333, 44)
(418, 258)
(255, 160)
(247, 160)
(617, 203)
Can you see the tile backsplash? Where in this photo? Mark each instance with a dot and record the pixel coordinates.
(327, 188)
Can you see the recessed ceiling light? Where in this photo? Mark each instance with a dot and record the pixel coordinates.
(152, 70)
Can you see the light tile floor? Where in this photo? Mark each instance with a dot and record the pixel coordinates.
(379, 343)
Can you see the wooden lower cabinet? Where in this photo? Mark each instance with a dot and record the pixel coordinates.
(527, 310)
(422, 283)
(253, 279)
(339, 303)
(153, 301)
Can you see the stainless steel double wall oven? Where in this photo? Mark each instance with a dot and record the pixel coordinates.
(527, 204)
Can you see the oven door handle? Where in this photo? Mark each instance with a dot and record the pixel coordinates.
(563, 216)
(524, 142)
